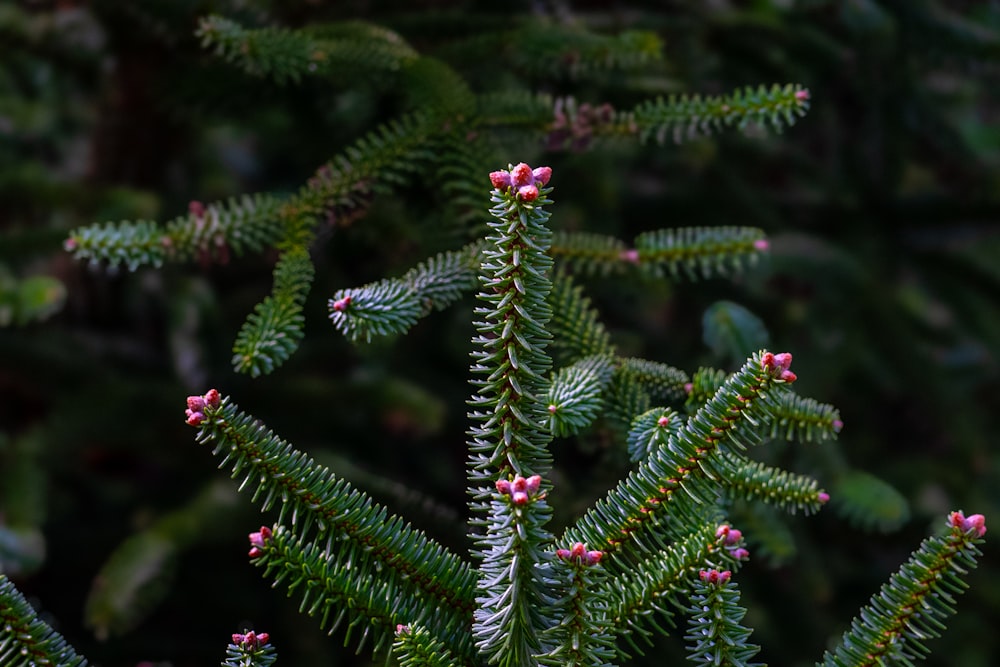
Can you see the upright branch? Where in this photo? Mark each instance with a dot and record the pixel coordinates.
(508, 446)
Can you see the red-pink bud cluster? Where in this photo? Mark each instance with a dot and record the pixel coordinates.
(523, 179)
(519, 489)
(714, 576)
(402, 629)
(196, 406)
(777, 365)
(340, 305)
(976, 522)
(258, 540)
(731, 538)
(251, 640)
(579, 554)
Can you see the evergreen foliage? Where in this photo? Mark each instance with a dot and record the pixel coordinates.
(416, 109)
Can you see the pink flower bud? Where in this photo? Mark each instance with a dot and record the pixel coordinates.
(196, 403)
(196, 208)
(503, 486)
(402, 629)
(722, 530)
(69, 245)
(663, 421)
(733, 537)
(837, 425)
(593, 557)
(519, 484)
(802, 95)
(767, 360)
(562, 553)
(631, 256)
(577, 550)
(533, 483)
(194, 418)
(714, 576)
(761, 244)
(527, 192)
(212, 398)
(519, 498)
(255, 552)
(783, 360)
(500, 179)
(542, 175)
(976, 522)
(521, 175)
(340, 305)
(823, 497)
(740, 554)
(788, 376)
(552, 409)
(259, 538)
(688, 387)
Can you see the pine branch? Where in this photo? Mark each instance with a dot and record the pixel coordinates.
(685, 117)
(274, 330)
(351, 50)
(574, 395)
(636, 384)
(206, 232)
(911, 607)
(393, 305)
(250, 650)
(868, 502)
(508, 446)
(657, 588)
(751, 480)
(715, 636)
(311, 495)
(545, 48)
(705, 252)
(581, 635)
(688, 462)
(335, 586)
(416, 647)
(25, 639)
(647, 431)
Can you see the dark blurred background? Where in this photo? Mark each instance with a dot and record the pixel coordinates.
(884, 282)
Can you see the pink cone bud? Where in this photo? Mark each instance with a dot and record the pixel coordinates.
(69, 245)
(722, 530)
(788, 376)
(577, 550)
(663, 421)
(733, 537)
(196, 403)
(255, 552)
(837, 425)
(194, 418)
(767, 360)
(533, 483)
(802, 95)
(761, 244)
(688, 387)
(402, 629)
(503, 486)
(500, 179)
(740, 554)
(527, 192)
(823, 497)
(340, 305)
(784, 360)
(542, 175)
(212, 398)
(714, 576)
(631, 256)
(975, 522)
(259, 538)
(521, 175)
(594, 557)
(562, 553)
(519, 498)
(519, 484)
(552, 409)
(196, 208)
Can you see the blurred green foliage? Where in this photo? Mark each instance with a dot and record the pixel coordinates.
(882, 207)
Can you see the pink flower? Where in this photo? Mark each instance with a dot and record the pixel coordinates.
(340, 305)
(777, 365)
(542, 175)
(194, 418)
(212, 398)
(521, 175)
(519, 489)
(532, 484)
(528, 192)
(196, 403)
(976, 522)
(714, 576)
(802, 95)
(258, 540)
(251, 640)
(740, 553)
(503, 486)
(663, 421)
(578, 553)
(823, 497)
(500, 179)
